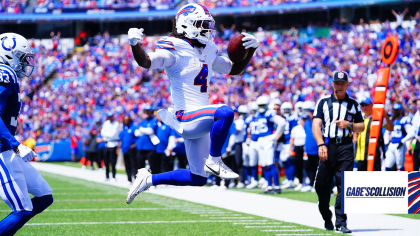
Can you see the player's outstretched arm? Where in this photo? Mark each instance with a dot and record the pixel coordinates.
(251, 43)
(134, 37)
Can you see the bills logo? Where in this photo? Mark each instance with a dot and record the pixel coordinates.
(414, 193)
(185, 11)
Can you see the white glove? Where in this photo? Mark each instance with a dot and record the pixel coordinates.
(26, 153)
(137, 133)
(134, 36)
(250, 41)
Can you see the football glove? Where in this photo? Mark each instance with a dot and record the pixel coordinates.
(250, 41)
(135, 35)
(26, 153)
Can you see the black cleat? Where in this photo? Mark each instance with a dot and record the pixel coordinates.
(329, 226)
(276, 191)
(343, 229)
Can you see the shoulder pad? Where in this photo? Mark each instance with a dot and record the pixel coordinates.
(405, 120)
(270, 113)
(8, 75)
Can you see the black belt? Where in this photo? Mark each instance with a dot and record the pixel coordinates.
(344, 140)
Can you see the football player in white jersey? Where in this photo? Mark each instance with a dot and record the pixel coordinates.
(189, 57)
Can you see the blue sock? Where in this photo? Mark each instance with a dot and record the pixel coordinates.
(275, 175)
(387, 169)
(223, 118)
(402, 169)
(289, 169)
(267, 175)
(254, 172)
(41, 203)
(179, 177)
(246, 173)
(14, 221)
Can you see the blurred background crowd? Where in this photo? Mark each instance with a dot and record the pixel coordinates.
(19, 6)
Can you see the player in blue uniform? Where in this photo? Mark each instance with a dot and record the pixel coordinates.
(287, 161)
(400, 135)
(268, 135)
(251, 156)
(18, 177)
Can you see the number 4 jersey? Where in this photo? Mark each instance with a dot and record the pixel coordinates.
(9, 107)
(189, 69)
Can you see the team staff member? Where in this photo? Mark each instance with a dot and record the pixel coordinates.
(240, 137)
(416, 125)
(146, 143)
(340, 116)
(128, 147)
(311, 149)
(176, 149)
(297, 149)
(110, 135)
(362, 144)
(163, 133)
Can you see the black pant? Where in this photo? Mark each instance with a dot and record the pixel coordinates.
(130, 162)
(340, 158)
(152, 158)
(239, 162)
(310, 166)
(110, 156)
(416, 160)
(101, 156)
(166, 162)
(93, 157)
(299, 163)
(182, 160)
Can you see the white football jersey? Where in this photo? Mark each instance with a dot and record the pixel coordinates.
(189, 69)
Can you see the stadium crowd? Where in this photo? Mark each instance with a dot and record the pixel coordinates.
(18, 6)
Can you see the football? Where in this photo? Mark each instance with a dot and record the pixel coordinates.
(236, 51)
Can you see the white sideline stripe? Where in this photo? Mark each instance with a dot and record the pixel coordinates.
(225, 215)
(231, 218)
(303, 234)
(287, 230)
(138, 222)
(257, 223)
(269, 226)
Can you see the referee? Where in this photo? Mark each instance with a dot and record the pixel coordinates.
(335, 119)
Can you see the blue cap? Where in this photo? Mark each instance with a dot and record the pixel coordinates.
(397, 106)
(304, 116)
(366, 101)
(110, 113)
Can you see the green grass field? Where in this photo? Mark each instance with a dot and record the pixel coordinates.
(87, 208)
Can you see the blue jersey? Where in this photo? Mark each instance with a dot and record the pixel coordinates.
(252, 123)
(127, 137)
(232, 130)
(399, 129)
(265, 125)
(144, 142)
(163, 133)
(291, 122)
(180, 146)
(9, 108)
(311, 146)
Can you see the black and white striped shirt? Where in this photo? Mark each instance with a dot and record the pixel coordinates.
(346, 109)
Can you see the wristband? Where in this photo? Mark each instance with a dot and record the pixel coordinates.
(322, 145)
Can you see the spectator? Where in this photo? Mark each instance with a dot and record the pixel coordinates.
(399, 17)
(110, 136)
(128, 147)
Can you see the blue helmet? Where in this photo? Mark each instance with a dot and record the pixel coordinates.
(397, 106)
